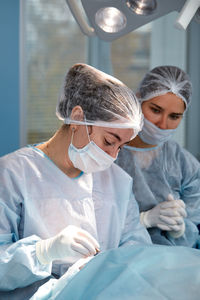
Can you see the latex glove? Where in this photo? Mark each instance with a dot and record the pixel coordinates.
(71, 244)
(179, 206)
(167, 215)
(178, 229)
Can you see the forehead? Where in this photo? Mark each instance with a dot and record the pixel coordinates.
(123, 134)
(167, 101)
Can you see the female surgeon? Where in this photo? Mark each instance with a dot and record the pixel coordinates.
(64, 199)
(166, 178)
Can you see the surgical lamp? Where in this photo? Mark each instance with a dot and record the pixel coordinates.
(111, 19)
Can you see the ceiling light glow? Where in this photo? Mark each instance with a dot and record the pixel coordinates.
(110, 19)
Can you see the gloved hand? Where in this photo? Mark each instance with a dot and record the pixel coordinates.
(179, 229)
(167, 215)
(71, 244)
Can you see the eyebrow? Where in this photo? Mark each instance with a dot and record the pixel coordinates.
(115, 135)
(156, 105)
(159, 107)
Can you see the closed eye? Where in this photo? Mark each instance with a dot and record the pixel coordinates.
(107, 143)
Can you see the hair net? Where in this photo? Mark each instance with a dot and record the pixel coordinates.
(105, 101)
(165, 79)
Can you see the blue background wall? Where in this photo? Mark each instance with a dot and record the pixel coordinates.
(9, 76)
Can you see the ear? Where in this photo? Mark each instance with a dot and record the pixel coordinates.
(77, 113)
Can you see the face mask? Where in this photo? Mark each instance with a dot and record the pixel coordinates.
(153, 135)
(90, 158)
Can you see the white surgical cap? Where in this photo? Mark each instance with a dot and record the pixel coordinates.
(165, 79)
(105, 101)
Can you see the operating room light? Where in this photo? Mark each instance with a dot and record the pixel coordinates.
(142, 7)
(110, 19)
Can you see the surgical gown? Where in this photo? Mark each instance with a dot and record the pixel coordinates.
(37, 200)
(156, 172)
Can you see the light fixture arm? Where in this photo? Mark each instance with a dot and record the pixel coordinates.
(188, 11)
(75, 9)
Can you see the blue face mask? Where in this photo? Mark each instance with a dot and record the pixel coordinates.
(153, 135)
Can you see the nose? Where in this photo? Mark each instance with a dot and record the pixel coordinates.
(162, 122)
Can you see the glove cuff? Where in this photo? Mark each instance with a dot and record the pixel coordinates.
(41, 252)
(177, 234)
(144, 219)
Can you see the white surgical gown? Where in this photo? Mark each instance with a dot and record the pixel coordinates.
(37, 200)
(156, 172)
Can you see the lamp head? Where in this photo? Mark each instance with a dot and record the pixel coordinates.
(111, 19)
(142, 7)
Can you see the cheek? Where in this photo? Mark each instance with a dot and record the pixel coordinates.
(149, 115)
(80, 139)
(98, 140)
(174, 123)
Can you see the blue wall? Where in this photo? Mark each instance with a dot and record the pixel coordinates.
(9, 75)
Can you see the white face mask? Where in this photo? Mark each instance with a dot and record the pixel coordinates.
(90, 158)
(153, 135)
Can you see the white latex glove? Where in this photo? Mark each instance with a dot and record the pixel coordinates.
(179, 206)
(178, 229)
(71, 244)
(167, 215)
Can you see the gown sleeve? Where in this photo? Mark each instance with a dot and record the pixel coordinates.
(190, 194)
(134, 233)
(19, 266)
